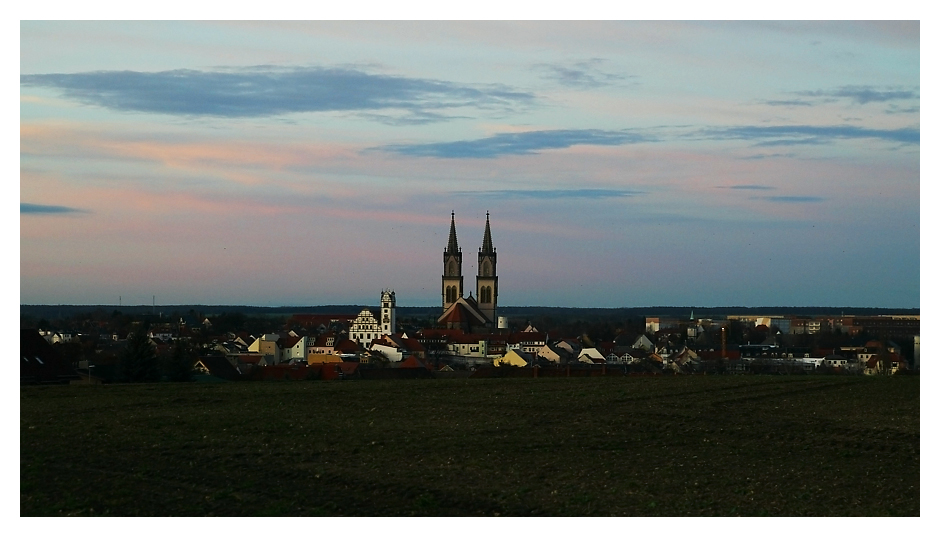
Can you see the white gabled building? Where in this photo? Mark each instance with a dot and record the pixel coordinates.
(366, 327)
(591, 355)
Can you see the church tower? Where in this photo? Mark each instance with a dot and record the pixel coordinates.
(388, 311)
(487, 288)
(452, 281)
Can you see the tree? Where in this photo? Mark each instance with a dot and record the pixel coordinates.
(178, 366)
(884, 357)
(138, 361)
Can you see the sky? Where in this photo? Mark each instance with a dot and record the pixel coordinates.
(623, 164)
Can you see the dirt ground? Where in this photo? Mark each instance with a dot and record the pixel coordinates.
(669, 446)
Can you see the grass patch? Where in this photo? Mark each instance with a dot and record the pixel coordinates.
(674, 446)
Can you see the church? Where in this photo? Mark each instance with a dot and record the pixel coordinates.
(472, 315)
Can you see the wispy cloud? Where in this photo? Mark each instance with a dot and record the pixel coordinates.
(519, 143)
(267, 91)
(791, 199)
(895, 109)
(807, 134)
(865, 94)
(33, 208)
(583, 74)
(769, 155)
(577, 193)
(790, 102)
(748, 187)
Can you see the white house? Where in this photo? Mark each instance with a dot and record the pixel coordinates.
(367, 327)
(591, 355)
(292, 348)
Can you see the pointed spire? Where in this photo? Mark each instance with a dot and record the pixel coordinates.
(487, 238)
(452, 240)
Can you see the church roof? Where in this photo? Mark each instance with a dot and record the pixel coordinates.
(452, 240)
(454, 315)
(463, 310)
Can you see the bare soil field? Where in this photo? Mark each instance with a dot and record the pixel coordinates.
(626, 446)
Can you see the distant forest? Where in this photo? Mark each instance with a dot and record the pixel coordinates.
(515, 314)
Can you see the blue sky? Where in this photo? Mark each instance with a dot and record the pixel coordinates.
(624, 164)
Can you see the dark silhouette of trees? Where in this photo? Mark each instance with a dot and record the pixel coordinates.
(178, 366)
(138, 361)
(234, 322)
(884, 357)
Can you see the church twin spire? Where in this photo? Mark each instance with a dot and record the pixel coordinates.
(486, 280)
(453, 248)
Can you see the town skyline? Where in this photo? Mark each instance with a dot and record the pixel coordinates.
(625, 164)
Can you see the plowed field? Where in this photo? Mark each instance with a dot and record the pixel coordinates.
(669, 446)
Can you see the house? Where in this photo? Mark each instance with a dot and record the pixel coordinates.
(348, 350)
(495, 344)
(605, 347)
(368, 326)
(246, 362)
(397, 347)
(643, 342)
(414, 362)
(364, 328)
(512, 358)
(835, 361)
(876, 366)
(388, 351)
(572, 346)
(217, 366)
(591, 355)
(40, 363)
(526, 342)
(554, 353)
(243, 339)
(467, 345)
(266, 346)
(324, 359)
(292, 348)
(61, 337)
(322, 344)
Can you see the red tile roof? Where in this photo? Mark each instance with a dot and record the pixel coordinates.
(456, 315)
(435, 333)
(287, 342)
(466, 338)
(412, 345)
(412, 362)
(347, 346)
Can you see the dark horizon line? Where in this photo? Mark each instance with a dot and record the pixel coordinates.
(689, 307)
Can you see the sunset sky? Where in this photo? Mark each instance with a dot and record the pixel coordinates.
(623, 164)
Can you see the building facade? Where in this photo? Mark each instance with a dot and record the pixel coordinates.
(367, 327)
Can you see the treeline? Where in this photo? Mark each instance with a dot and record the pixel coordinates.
(65, 311)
